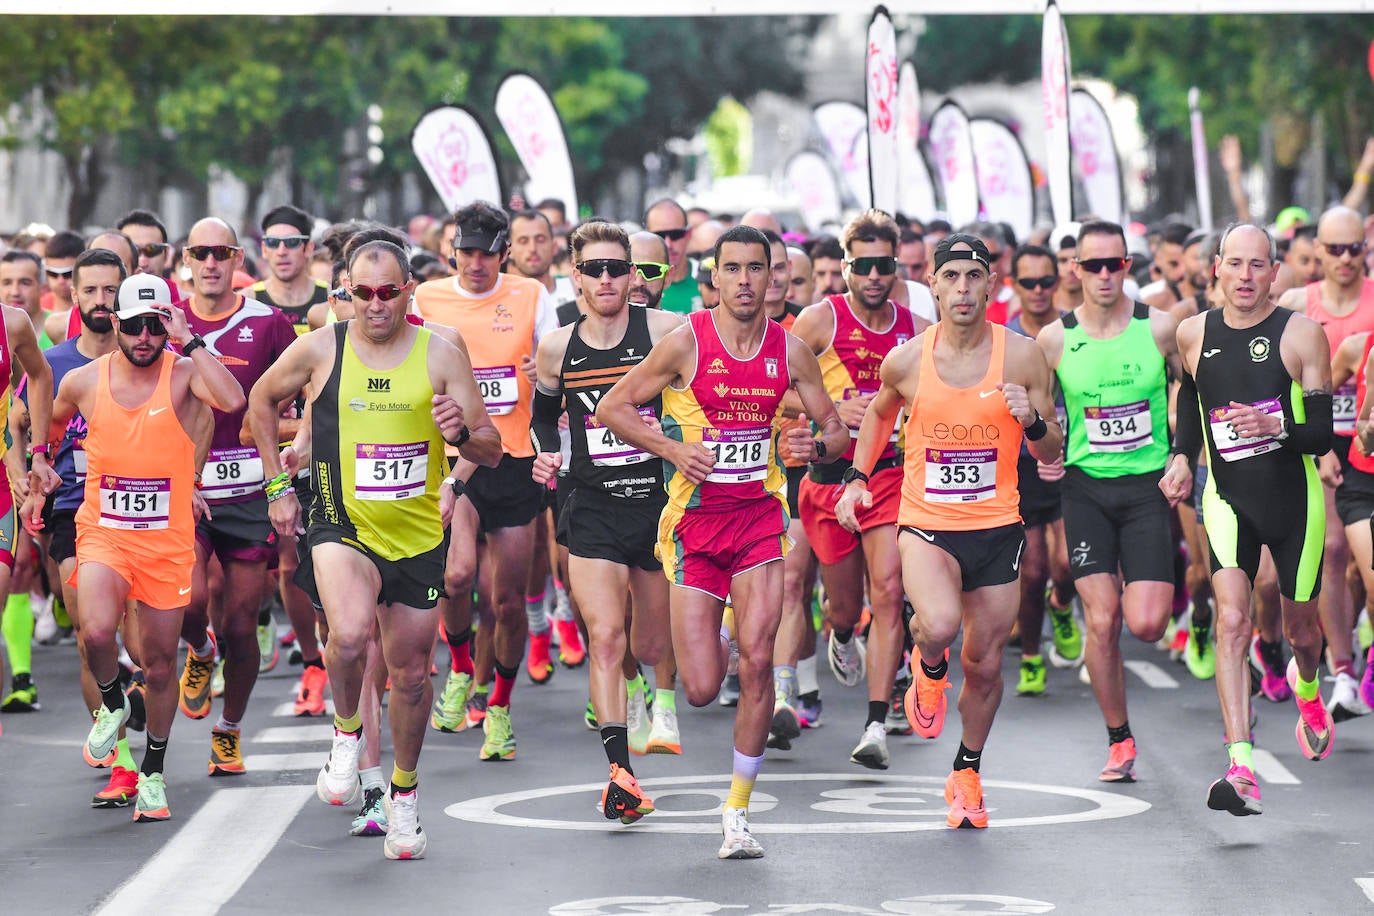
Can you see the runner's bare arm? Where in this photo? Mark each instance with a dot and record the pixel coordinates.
(548, 404)
(1164, 327)
(211, 382)
(1295, 300)
(1364, 429)
(1050, 340)
(896, 376)
(458, 403)
(1028, 364)
(15, 469)
(289, 374)
(662, 323)
(814, 327)
(806, 381)
(24, 346)
(1345, 361)
(444, 332)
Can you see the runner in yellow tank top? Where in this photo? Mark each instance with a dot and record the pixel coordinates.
(971, 389)
(377, 443)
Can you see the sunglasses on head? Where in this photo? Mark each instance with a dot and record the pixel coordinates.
(292, 242)
(382, 293)
(57, 272)
(650, 270)
(1097, 265)
(886, 265)
(152, 249)
(672, 235)
(1337, 250)
(136, 325)
(599, 266)
(1037, 282)
(219, 252)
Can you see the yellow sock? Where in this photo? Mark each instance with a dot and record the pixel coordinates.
(353, 724)
(404, 779)
(746, 770)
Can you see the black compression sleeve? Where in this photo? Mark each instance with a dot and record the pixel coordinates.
(1188, 419)
(544, 419)
(1313, 436)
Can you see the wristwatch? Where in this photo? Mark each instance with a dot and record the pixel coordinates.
(191, 345)
(820, 448)
(852, 474)
(463, 436)
(1283, 430)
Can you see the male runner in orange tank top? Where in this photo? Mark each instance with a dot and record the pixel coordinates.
(135, 532)
(971, 389)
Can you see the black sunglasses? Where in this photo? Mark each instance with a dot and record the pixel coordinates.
(1037, 282)
(152, 249)
(1097, 265)
(292, 242)
(136, 325)
(673, 235)
(616, 267)
(220, 252)
(886, 265)
(1337, 250)
(651, 270)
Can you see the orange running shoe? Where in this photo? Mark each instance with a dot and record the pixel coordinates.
(195, 684)
(310, 697)
(119, 792)
(1120, 762)
(571, 652)
(964, 793)
(538, 664)
(623, 798)
(225, 757)
(925, 701)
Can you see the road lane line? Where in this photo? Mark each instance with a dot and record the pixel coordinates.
(293, 734)
(213, 836)
(1269, 769)
(1366, 885)
(287, 710)
(1152, 675)
(267, 763)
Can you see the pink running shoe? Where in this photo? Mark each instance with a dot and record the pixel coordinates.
(1316, 729)
(1272, 683)
(1237, 792)
(1367, 681)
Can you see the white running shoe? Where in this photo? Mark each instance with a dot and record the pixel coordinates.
(847, 659)
(405, 838)
(338, 782)
(638, 723)
(739, 842)
(1345, 700)
(871, 751)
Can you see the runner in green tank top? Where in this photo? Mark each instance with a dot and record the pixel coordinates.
(385, 394)
(1111, 355)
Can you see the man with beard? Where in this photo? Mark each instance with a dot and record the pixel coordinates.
(827, 266)
(667, 220)
(531, 254)
(850, 335)
(135, 533)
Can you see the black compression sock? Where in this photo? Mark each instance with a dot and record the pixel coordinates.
(877, 711)
(615, 740)
(1272, 653)
(154, 756)
(1119, 733)
(936, 672)
(111, 695)
(966, 759)
(843, 636)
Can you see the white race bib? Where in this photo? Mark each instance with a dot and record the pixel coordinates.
(1344, 410)
(1118, 428)
(741, 454)
(135, 503)
(499, 389)
(79, 461)
(607, 450)
(231, 472)
(1231, 446)
(961, 475)
(390, 472)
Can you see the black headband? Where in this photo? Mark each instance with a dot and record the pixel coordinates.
(482, 241)
(961, 254)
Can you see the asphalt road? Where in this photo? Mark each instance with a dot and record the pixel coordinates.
(524, 836)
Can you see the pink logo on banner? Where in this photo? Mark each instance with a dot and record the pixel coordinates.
(452, 147)
(882, 79)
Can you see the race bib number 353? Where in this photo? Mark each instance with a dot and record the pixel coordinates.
(961, 475)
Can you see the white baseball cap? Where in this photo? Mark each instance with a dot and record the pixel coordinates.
(144, 294)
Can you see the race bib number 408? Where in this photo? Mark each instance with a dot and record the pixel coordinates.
(607, 450)
(499, 389)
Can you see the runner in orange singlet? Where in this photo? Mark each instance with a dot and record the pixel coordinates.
(970, 389)
(722, 376)
(135, 530)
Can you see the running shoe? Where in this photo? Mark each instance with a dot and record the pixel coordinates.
(1200, 655)
(405, 838)
(739, 843)
(538, 663)
(1170, 631)
(665, 737)
(786, 723)
(1273, 684)
(269, 649)
(729, 691)
(310, 695)
(499, 741)
(372, 819)
(1316, 729)
(217, 680)
(450, 709)
(1367, 681)
(138, 707)
(847, 659)
(964, 795)
(926, 702)
(1179, 646)
(476, 710)
(1237, 792)
(119, 792)
(1345, 699)
(44, 622)
(226, 758)
(23, 695)
(571, 652)
(151, 802)
(338, 783)
(809, 709)
(104, 735)
(1120, 762)
(623, 798)
(195, 683)
(1066, 649)
(871, 751)
(638, 722)
(896, 722)
(589, 717)
(1032, 682)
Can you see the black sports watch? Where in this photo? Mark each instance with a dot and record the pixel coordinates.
(191, 345)
(852, 474)
(463, 436)
(820, 448)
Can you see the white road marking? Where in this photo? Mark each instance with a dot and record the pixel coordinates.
(212, 835)
(1152, 675)
(269, 763)
(294, 734)
(1366, 885)
(288, 710)
(1268, 768)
